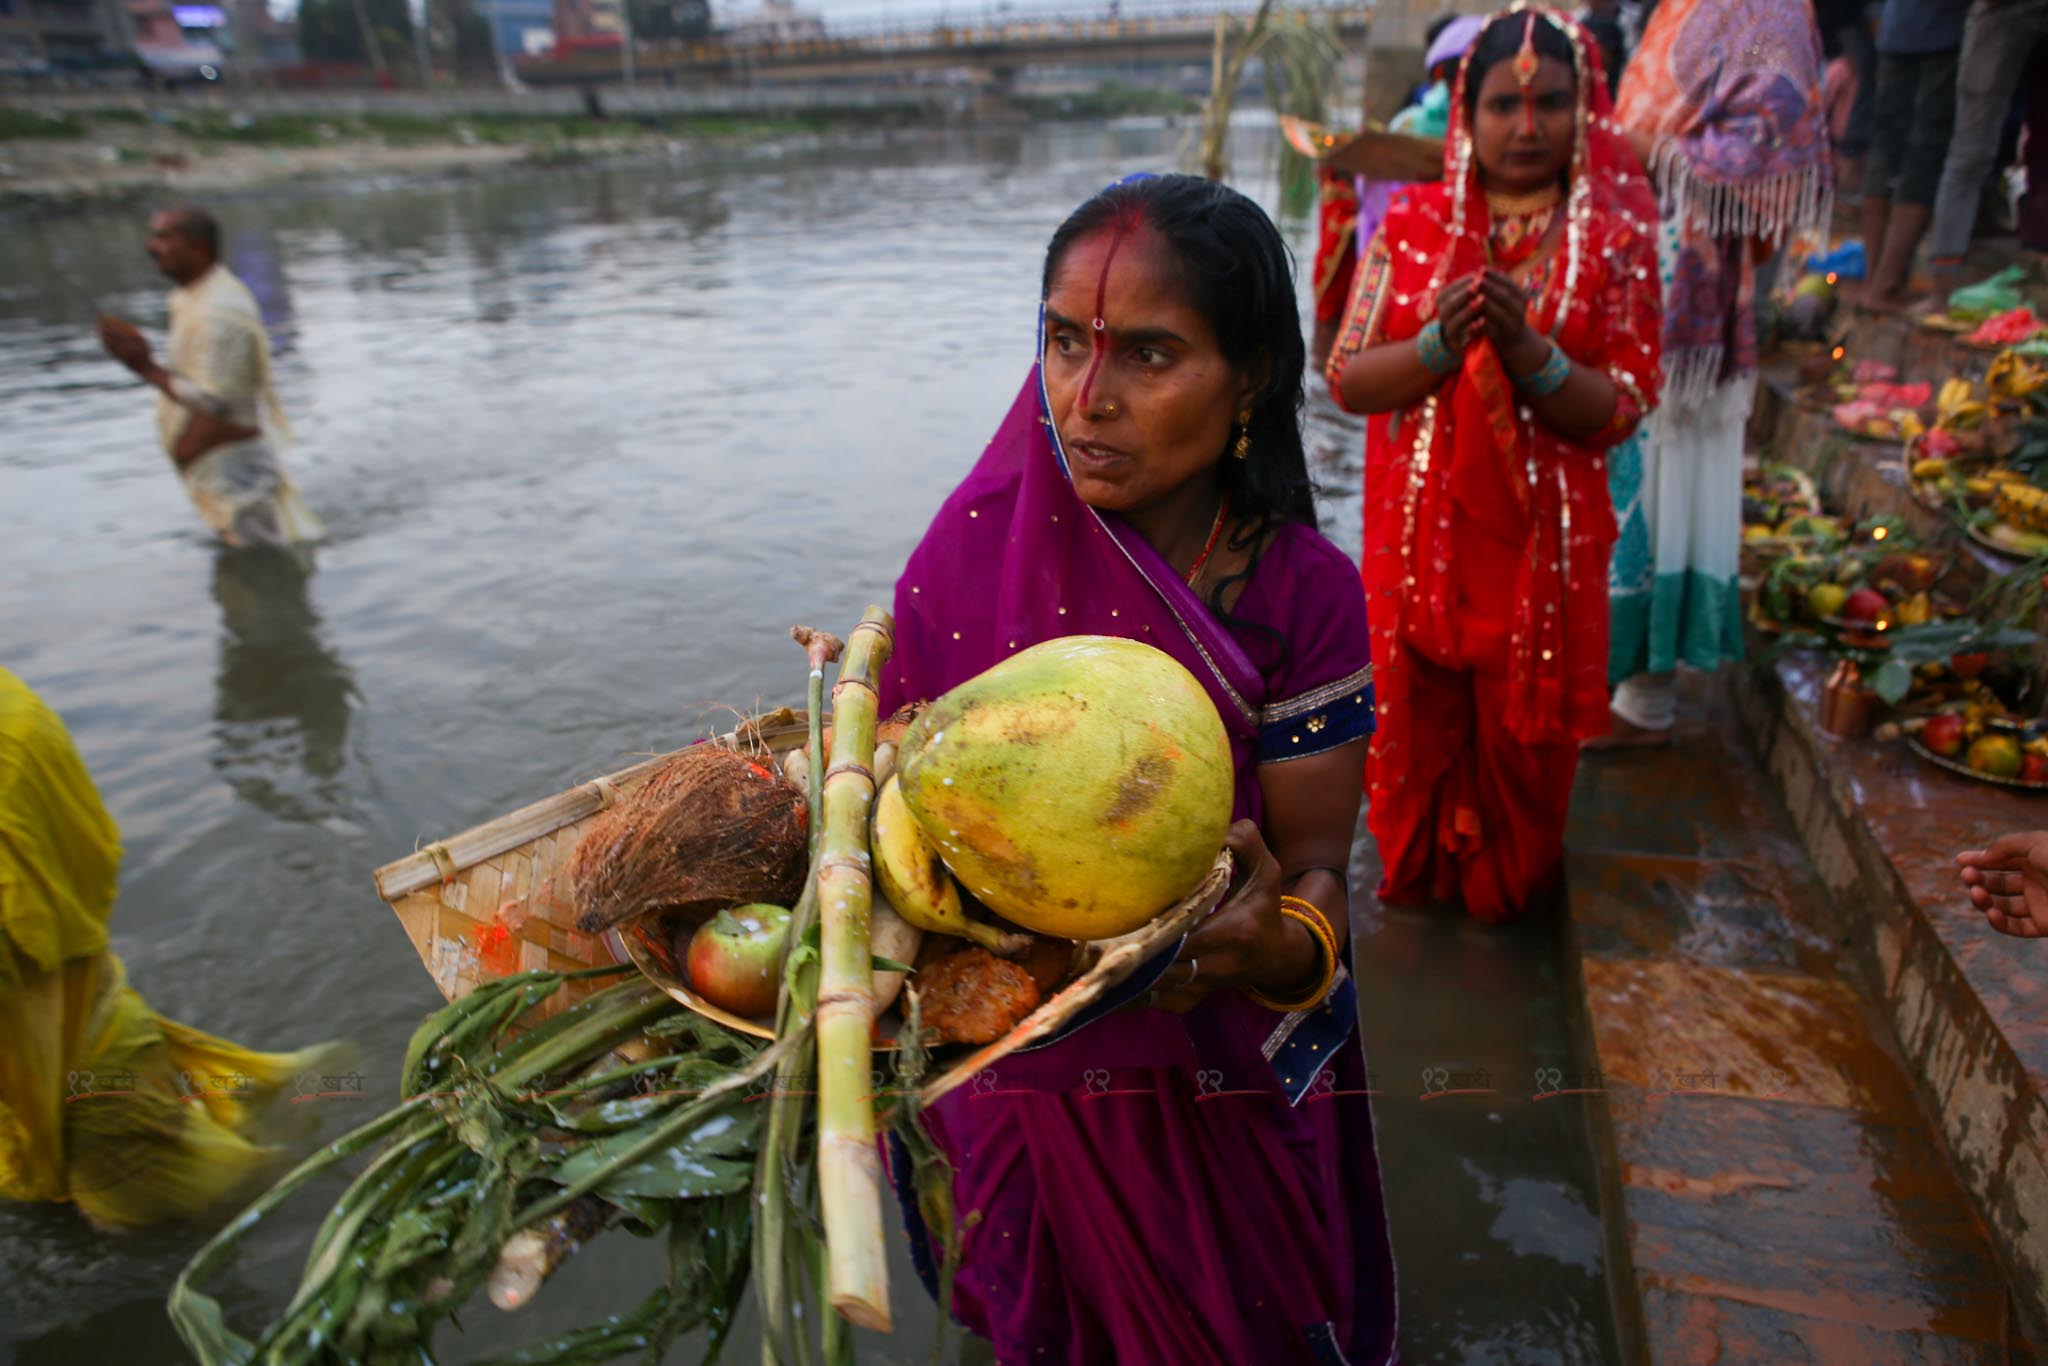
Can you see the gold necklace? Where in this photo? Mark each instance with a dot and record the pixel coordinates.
(1522, 205)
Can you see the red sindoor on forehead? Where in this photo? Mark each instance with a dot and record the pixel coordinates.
(1099, 336)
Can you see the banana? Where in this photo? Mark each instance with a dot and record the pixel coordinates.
(891, 936)
(915, 880)
(2023, 543)
(2014, 376)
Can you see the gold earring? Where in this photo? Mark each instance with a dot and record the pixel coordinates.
(1243, 447)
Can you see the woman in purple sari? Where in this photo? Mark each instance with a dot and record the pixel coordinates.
(1192, 1178)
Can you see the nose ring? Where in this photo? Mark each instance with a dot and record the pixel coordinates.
(1110, 409)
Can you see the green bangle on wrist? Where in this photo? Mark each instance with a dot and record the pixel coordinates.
(1547, 378)
(1434, 353)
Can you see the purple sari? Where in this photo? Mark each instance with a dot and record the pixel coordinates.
(1158, 1187)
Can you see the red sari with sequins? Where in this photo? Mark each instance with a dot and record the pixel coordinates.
(1336, 263)
(1487, 534)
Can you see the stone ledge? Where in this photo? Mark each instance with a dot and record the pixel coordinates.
(1772, 1190)
(1963, 1002)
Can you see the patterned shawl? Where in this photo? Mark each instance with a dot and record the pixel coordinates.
(1729, 92)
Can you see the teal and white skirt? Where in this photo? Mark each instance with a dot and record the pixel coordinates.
(1677, 490)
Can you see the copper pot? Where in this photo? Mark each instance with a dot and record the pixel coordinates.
(1848, 710)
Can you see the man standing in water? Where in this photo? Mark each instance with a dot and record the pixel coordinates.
(217, 373)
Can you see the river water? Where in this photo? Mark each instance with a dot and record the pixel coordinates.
(588, 440)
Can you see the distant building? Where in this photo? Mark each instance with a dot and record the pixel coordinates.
(75, 35)
(526, 28)
(776, 21)
(586, 24)
(21, 46)
(260, 38)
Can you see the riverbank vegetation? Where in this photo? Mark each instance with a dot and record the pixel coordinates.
(50, 158)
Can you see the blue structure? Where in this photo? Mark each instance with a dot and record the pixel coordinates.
(524, 26)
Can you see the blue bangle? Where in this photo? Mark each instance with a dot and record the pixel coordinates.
(1431, 350)
(1548, 377)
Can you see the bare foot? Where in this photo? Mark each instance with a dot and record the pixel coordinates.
(1628, 735)
(1883, 303)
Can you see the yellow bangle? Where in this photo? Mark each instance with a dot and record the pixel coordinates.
(1318, 925)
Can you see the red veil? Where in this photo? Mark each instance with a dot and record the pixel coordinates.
(1470, 442)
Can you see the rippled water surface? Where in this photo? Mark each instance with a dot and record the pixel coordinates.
(588, 442)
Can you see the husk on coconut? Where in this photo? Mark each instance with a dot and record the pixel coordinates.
(709, 829)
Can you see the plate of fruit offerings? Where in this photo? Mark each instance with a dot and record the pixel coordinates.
(1944, 476)
(2005, 329)
(1948, 323)
(1773, 493)
(1884, 412)
(2016, 521)
(980, 899)
(1977, 745)
(1991, 680)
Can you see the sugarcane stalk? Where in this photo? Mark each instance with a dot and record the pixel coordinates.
(849, 1169)
(795, 1001)
(820, 648)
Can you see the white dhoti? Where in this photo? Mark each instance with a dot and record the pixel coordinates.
(219, 360)
(244, 495)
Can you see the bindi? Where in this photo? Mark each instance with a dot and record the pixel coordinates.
(1526, 65)
(1099, 335)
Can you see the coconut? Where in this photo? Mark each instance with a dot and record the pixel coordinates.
(709, 829)
(1078, 788)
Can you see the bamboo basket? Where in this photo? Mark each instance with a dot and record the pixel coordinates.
(1398, 157)
(488, 903)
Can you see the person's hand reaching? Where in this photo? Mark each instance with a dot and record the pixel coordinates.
(2009, 883)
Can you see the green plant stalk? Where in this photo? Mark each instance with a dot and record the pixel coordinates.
(671, 1130)
(849, 1169)
(387, 1186)
(625, 1013)
(796, 1000)
(196, 1316)
(612, 1017)
(1225, 72)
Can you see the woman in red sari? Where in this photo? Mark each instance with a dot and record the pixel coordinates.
(1503, 335)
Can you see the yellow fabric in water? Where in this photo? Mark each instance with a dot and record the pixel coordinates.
(135, 1118)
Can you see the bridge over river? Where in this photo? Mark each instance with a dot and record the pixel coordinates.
(995, 48)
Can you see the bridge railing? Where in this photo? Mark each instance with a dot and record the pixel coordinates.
(988, 30)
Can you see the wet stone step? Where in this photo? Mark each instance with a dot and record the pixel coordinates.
(1772, 1192)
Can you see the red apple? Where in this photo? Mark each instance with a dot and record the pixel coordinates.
(1865, 604)
(735, 959)
(1943, 734)
(2034, 768)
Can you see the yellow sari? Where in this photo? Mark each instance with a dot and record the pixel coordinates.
(134, 1118)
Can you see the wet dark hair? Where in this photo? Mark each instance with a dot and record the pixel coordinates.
(1238, 276)
(1501, 40)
